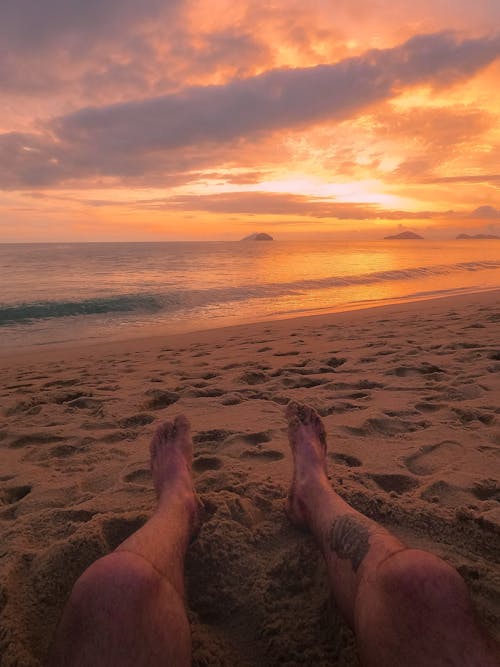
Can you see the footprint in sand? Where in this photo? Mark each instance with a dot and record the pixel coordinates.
(356, 395)
(213, 436)
(432, 458)
(141, 419)
(469, 415)
(41, 438)
(294, 381)
(429, 407)
(157, 399)
(204, 462)
(264, 454)
(63, 451)
(231, 399)
(31, 407)
(253, 377)
(210, 392)
(97, 426)
(85, 403)
(229, 367)
(140, 476)
(118, 436)
(12, 494)
(395, 483)
(345, 459)
(67, 396)
(487, 489)
(387, 426)
(69, 382)
(335, 362)
(442, 492)
(339, 408)
(255, 438)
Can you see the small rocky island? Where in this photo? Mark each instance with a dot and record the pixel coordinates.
(478, 236)
(260, 236)
(404, 235)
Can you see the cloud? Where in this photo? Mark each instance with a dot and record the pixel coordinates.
(486, 213)
(144, 137)
(278, 99)
(38, 24)
(463, 178)
(434, 128)
(272, 203)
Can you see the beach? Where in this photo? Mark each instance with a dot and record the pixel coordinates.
(409, 394)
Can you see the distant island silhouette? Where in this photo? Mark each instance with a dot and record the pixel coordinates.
(404, 235)
(478, 236)
(260, 236)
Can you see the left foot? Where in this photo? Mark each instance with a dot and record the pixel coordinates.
(171, 457)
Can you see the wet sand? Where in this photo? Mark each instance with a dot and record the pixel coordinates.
(410, 398)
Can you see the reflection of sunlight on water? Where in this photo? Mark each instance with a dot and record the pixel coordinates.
(335, 260)
(347, 297)
(202, 286)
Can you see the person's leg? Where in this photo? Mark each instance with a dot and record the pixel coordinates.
(128, 607)
(407, 607)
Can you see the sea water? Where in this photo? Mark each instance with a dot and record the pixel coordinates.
(52, 293)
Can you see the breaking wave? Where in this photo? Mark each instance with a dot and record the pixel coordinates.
(188, 299)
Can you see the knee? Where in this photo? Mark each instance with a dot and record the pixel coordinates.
(417, 579)
(115, 582)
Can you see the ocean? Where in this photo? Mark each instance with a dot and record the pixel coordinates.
(55, 293)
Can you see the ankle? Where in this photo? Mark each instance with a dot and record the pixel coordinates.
(312, 492)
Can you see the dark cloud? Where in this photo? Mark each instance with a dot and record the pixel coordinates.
(136, 138)
(28, 160)
(91, 49)
(54, 24)
(272, 203)
(114, 50)
(279, 98)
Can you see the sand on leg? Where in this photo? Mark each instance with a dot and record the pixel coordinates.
(128, 607)
(406, 606)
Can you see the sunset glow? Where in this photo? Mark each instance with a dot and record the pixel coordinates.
(178, 119)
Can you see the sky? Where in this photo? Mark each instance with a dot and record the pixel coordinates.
(191, 120)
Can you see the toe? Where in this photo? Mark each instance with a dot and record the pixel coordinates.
(290, 411)
(162, 434)
(182, 425)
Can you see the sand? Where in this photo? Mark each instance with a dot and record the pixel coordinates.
(409, 395)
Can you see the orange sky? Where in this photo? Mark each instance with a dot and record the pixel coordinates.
(167, 120)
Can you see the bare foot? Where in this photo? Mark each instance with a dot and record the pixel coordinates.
(307, 438)
(171, 457)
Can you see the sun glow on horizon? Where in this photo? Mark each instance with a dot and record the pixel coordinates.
(200, 120)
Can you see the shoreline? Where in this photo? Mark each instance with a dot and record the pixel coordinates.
(53, 350)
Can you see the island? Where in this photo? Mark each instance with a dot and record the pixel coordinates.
(404, 235)
(478, 236)
(260, 236)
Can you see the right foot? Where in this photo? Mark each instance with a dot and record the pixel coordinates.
(171, 456)
(307, 438)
